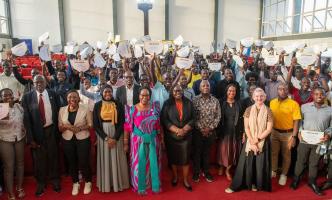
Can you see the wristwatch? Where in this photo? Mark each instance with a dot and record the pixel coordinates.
(106, 138)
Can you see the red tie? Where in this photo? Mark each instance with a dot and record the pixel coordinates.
(42, 109)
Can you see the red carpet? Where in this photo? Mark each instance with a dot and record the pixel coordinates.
(202, 190)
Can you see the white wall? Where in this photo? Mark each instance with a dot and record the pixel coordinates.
(238, 19)
(194, 20)
(32, 18)
(87, 20)
(131, 20)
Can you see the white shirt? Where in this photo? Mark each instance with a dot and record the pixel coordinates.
(47, 107)
(130, 94)
(11, 83)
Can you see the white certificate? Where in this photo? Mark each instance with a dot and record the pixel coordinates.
(312, 137)
(4, 110)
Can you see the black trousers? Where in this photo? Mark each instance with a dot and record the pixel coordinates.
(307, 156)
(77, 153)
(45, 158)
(201, 151)
(329, 170)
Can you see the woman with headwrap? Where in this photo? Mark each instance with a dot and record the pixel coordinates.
(112, 167)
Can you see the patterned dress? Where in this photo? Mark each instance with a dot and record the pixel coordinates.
(145, 148)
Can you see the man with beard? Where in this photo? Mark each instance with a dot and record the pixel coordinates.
(316, 117)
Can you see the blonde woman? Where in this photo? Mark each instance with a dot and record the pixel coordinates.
(253, 171)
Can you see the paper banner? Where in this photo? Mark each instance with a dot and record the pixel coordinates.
(183, 52)
(238, 60)
(85, 52)
(306, 60)
(99, 61)
(268, 45)
(271, 60)
(43, 38)
(56, 48)
(320, 48)
(101, 45)
(117, 39)
(264, 53)
(133, 41)
(152, 47)
(183, 63)
(70, 50)
(4, 110)
(124, 49)
(112, 49)
(220, 47)
(259, 43)
(80, 65)
(327, 53)
(146, 38)
(231, 44)
(247, 42)
(138, 52)
(44, 53)
(116, 57)
(179, 40)
(214, 66)
(20, 49)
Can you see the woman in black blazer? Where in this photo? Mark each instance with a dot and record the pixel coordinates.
(177, 117)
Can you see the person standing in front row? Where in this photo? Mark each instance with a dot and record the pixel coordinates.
(12, 142)
(177, 117)
(75, 120)
(286, 117)
(253, 171)
(41, 108)
(112, 166)
(142, 130)
(208, 114)
(316, 117)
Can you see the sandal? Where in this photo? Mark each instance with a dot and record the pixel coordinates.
(11, 197)
(21, 193)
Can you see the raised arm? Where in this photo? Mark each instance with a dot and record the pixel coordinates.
(19, 77)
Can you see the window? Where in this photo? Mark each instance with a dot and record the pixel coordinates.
(4, 17)
(289, 17)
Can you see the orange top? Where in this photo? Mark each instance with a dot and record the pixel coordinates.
(179, 106)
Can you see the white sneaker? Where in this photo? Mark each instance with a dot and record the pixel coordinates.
(273, 174)
(282, 180)
(87, 188)
(76, 189)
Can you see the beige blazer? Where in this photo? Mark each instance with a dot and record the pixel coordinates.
(83, 117)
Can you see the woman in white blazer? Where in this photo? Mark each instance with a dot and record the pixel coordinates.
(75, 120)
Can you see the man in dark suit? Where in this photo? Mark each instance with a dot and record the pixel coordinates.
(222, 86)
(41, 108)
(129, 93)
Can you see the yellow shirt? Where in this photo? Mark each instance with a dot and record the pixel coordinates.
(193, 77)
(284, 113)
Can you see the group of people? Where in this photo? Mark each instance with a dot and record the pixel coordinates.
(138, 107)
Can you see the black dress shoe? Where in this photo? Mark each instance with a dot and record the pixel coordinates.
(57, 188)
(174, 182)
(327, 185)
(315, 189)
(295, 184)
(188, 187)
(40, 190)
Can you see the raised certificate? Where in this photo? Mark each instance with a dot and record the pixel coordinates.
(312, 137)
(4, 110)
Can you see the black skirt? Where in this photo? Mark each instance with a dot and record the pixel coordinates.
(253, 170)
(178, 149)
